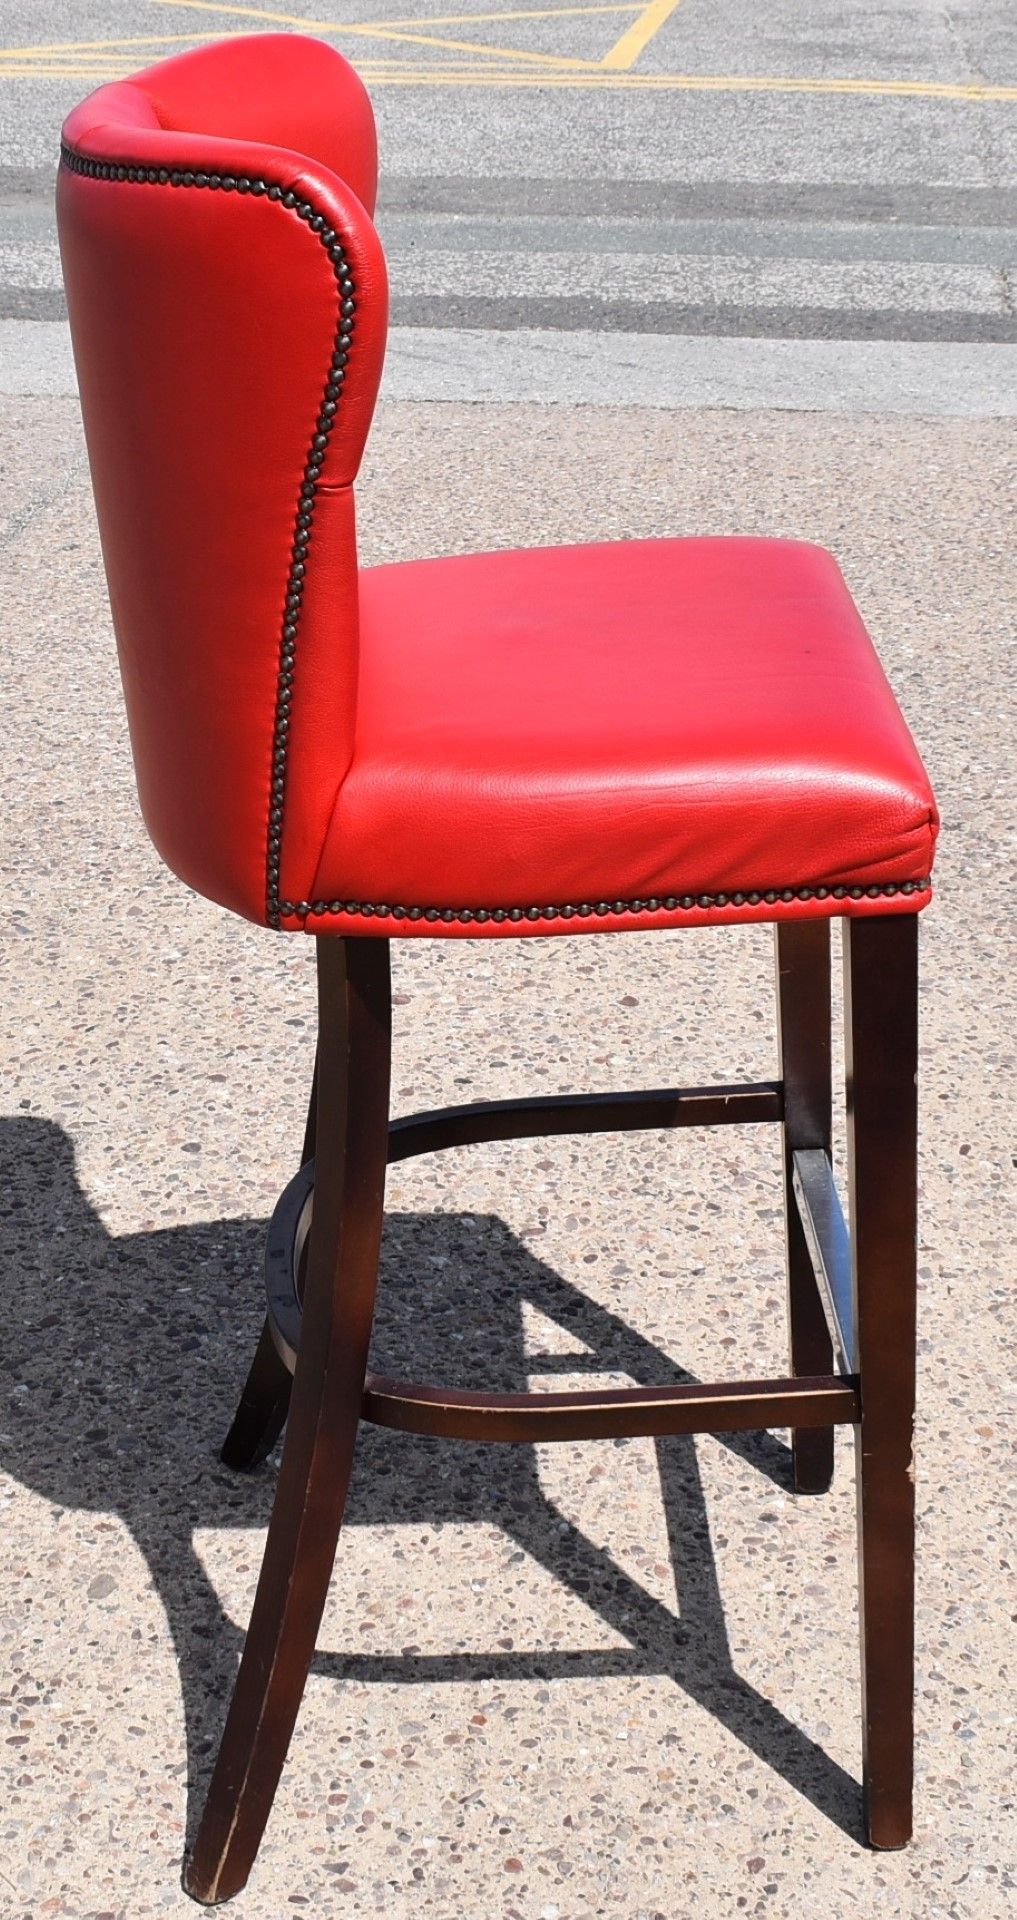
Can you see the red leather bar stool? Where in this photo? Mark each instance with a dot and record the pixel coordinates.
(561, 742)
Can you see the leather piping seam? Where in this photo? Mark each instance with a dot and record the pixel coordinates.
(257, 188)
(602, 909)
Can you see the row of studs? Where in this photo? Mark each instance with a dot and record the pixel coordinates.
(318, 225)
(674, 903)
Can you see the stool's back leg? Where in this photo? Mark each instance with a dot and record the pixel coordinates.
(803, 1027)
(265, 1401)
(881, 994)
(261, 1414)
(352, 1145)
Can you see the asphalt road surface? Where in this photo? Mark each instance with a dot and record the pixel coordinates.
(730, 175)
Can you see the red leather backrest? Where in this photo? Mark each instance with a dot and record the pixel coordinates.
(228, 307)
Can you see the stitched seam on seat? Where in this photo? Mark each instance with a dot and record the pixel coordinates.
(317, 223)
(602, 909)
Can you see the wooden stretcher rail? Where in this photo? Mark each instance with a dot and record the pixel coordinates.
(416, 1133)
(584, 1113)
(625, 1411)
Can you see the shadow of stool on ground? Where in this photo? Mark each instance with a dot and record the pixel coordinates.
(133, 1347)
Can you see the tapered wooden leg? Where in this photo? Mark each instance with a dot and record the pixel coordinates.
(803, 1024)
(261, 1415)
(265, 1401)
(881, 995)
(352, 1141)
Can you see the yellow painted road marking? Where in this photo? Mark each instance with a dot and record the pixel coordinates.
(88, 46)
(410, 74)
(256, 13)
(380, 28)
(65, 73)
(527, 13)
(377, 30)
(614, 77)
(277, 18)
(413, 73)
(474, 63)
(271, 14)
(556, 61)
(601, 80)
(627, 50)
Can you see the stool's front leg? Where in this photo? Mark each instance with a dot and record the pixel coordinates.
(352, 1146)
(803, 1025)
(881, 1003)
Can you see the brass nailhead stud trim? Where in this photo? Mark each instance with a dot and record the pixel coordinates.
(641, 909)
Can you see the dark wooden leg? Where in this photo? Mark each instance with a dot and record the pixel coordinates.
(881, 993)
(803, 1025)
(261, 1415)
(265, 1401)
(354, 1013)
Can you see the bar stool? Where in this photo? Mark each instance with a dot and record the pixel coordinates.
(559, 742)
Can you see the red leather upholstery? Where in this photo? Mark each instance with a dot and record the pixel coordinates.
(651, 733)
(205, 313)
(683, 721)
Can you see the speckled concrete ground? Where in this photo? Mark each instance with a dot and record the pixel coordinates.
(610, 1680)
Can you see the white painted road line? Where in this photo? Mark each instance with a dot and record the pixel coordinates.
(679, 372)
(938, 379)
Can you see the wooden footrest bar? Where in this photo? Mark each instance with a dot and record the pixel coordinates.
(584, 1113)
(829, 1245)
(623, 1411)
(818, 1402)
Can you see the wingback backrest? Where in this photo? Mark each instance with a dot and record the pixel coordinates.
(228, 307)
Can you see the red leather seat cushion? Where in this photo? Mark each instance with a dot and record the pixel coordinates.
(662, 728)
